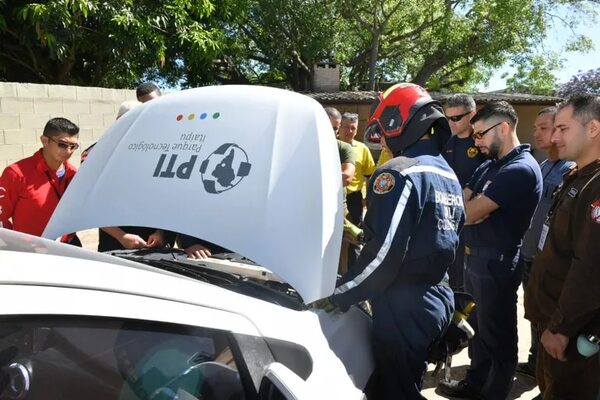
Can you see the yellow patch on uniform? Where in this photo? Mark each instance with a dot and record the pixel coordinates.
(472, 151)
(384, 183)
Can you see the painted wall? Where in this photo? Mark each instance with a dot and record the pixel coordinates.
(25, 108)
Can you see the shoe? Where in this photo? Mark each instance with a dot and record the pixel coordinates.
(526, 369)
(459, 389)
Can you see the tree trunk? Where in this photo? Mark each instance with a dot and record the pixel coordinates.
(373, 60)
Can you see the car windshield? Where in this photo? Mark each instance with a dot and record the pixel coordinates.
(104, 358)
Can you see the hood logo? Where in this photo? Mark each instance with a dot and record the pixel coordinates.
(224, 168)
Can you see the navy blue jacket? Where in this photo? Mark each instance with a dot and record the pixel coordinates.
(463, 157)
(415, 212)
(514, 183)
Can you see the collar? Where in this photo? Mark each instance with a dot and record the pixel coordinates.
(511, 155)
(589, 169)
(422, 148)
(40, 162)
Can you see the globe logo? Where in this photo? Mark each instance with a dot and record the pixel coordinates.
(224, 168)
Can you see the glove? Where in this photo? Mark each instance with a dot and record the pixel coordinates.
(353, 233)
(326, 305)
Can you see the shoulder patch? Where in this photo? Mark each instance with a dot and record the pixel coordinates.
(384, 183)
(472, 151)
(595, 212)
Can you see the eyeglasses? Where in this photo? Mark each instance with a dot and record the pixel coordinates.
(456, 118)
(479, 135)
(63, 145)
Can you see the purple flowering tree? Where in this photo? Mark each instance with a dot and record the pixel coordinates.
(584, 82)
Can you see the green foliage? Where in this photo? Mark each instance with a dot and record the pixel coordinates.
(111, 43)
(445, 45)
(535, 76)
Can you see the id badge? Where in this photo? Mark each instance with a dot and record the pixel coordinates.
(545, 229)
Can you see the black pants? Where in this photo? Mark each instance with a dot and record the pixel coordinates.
(533, 349)
(354, 204)
(493, 350)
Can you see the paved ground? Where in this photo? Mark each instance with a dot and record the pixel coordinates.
(524, 388)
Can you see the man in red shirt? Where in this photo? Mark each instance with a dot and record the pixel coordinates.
(31, 188)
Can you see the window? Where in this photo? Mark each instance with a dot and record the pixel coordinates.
(101, 358)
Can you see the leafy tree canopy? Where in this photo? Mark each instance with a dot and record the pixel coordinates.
(442, 44)
(108, 43)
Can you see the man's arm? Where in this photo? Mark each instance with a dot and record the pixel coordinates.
(389, 223)
(478, 208)
(9, 183)
(579, 302)
(348, 170)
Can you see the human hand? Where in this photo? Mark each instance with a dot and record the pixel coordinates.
(131, 241)
(157, 239)
(197, 251)
(555, 344)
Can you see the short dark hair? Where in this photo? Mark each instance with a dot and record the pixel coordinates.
(461, 100)
(59, 125)
(147, 88)
(547, 110)
(499, 109)
(333, 112)
(586, 107)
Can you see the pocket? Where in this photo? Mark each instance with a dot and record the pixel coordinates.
(552, 286)
(504, 273)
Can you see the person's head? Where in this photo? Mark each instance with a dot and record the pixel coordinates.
(405, 114)
(59, 140)
(543, 128)
(147, 91)
(348, 127)
(335, 117)
(126, 106)
(577, 129)
(459, 110)
(494, 129)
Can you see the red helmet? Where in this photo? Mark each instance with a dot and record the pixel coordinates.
(403, 114)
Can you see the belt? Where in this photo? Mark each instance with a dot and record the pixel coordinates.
(484, 252)
(423, 280)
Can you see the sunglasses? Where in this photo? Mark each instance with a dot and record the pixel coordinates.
(63, 145)
(456, 118)
(479, 135)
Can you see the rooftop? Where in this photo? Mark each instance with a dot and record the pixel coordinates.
(369, 96)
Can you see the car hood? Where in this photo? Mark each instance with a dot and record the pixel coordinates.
(252, 169)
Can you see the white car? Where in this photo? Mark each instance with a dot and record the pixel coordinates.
(252, 169)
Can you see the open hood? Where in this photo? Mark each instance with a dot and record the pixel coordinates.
(253, 169)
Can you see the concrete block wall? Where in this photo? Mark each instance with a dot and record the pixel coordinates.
(26, 107)
(326, 77)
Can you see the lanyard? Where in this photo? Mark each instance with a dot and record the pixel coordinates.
(53, 187)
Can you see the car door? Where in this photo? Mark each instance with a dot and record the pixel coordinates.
(68, 343)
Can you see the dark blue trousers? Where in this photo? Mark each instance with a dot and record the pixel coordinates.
(493, 350)
(407, 318)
